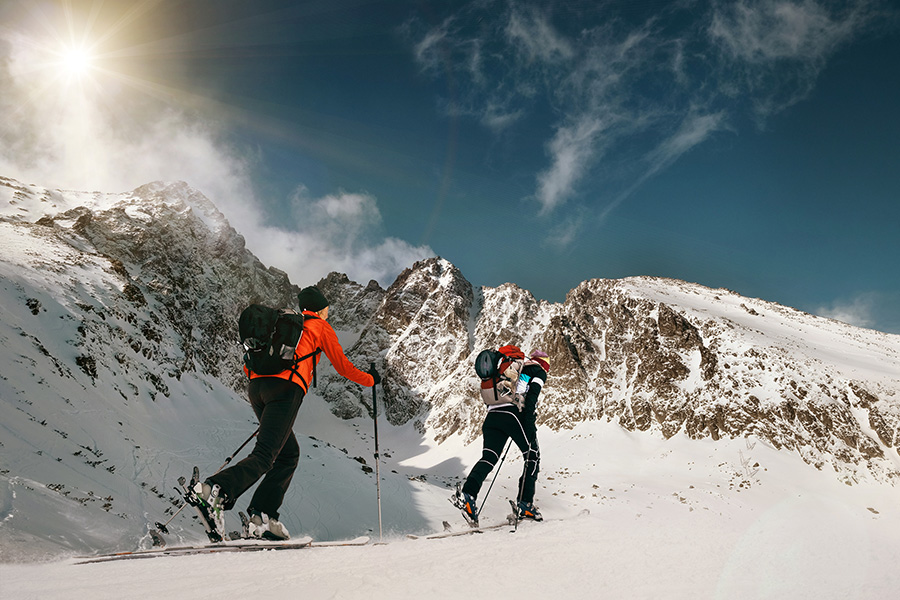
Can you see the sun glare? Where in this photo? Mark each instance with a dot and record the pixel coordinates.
(75, 62)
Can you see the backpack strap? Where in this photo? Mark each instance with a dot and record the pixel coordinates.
(295, 370)
(296, 364)
(506, 362)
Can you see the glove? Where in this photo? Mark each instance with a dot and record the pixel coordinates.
(375, 376)
(519, 402)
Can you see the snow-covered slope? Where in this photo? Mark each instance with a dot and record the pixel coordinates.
(629, 515)
(673, 412)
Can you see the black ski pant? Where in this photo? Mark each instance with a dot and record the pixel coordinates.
(276, 454)
(500, 425)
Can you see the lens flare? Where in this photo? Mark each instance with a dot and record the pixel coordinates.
(75, 61)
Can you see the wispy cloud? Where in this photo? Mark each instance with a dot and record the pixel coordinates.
(856, 311)
(113, 131)
(874, 310)
(535, 36)
(774, 50)
(693, 130)
(572, 151)
(630, 98)
(760, 32)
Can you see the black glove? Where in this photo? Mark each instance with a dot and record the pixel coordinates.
(374, 375)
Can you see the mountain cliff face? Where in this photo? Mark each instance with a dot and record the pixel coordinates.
(183, 272)
(117, 338)
(118, 334)
(650, 354)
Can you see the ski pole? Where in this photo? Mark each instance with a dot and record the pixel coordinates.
(162, 526)
(496, 472)
(522, 485)
(228, 460)
(377, 476)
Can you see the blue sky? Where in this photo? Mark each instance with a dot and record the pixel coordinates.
(747, 145)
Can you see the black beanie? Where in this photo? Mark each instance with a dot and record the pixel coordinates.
(310, 298)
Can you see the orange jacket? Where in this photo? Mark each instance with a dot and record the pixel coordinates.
(317, 333)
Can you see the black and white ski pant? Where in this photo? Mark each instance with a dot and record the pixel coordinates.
(500, 425)
(276, 454)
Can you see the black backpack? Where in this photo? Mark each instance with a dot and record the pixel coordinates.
(270, 337)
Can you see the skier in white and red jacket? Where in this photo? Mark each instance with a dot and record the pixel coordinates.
(505, 421)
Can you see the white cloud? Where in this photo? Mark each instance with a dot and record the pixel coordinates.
(338, 232)
(572, 151)
(694, 130)
(428, 50)
(763, 31)
(854, 311)
(873, 310)
(499, 117)
(100, 133)
(565, 230)
(774, 50)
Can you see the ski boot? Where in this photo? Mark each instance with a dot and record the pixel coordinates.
(466, 504)
(262, 526)
(527, 510)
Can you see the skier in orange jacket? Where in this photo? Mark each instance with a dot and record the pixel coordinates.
(275, 400)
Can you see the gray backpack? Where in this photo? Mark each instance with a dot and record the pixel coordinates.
(499, 371)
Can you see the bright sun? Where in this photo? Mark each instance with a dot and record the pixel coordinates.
(75, 61)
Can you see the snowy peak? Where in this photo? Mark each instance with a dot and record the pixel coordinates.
(418, 329)
(179, 196)
(30, 203)
(350, 304)
(655, 355)
(853, 350)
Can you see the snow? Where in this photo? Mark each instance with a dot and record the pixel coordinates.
(861, 353)
(628, 515)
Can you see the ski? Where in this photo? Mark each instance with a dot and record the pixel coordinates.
(236, 546)
(458, 532)
(450, 532)
(241, 545)
(359, 541)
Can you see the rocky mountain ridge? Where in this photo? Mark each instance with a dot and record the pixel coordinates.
(651, 354)
(119, 333)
